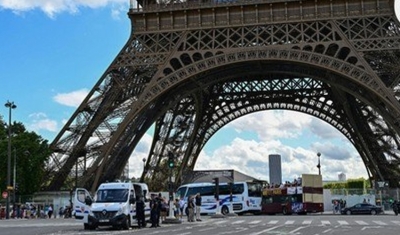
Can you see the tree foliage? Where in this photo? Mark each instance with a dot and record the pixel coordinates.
(349, 184)
(31, 152)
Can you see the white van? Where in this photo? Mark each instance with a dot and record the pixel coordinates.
(113, 205)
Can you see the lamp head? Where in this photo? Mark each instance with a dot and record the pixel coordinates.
(10, 105)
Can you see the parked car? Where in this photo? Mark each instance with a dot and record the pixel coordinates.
(362, 208)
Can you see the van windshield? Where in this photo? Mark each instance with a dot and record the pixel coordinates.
(112, 195)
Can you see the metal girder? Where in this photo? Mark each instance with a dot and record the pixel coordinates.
(189, 68)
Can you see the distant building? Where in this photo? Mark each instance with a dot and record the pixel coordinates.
(275, 169)
(342, 177)
(228, 175)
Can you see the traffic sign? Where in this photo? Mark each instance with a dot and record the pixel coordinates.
(4, 194)
(10, 188)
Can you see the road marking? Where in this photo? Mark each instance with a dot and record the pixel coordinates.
(380, 222)
(360, 222)
(289, 222)
(369, 227)
(325, 222)
(297, 229)
(273, 222)
(342, 222)
(255, 222)
(327, 231)
(238, 222)
(395, 222)
(307, 222)
(205, 229)
(263, 231)
(220, 222)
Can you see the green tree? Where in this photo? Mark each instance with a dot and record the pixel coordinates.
(31, 152)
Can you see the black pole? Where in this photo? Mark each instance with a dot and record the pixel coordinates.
(10, 106)
(319, 163)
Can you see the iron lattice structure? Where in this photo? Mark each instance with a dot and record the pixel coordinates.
(189, 68)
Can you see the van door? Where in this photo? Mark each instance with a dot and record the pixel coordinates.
(80, 207)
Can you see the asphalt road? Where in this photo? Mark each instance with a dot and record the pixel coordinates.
(315, 224)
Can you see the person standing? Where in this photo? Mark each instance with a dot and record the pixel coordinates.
(164, 208)
(198, 206)
(159, 205)
(153, 212)
(181, 207)
(50, 211)
(177, 208)
(191, 207)
(140, 213)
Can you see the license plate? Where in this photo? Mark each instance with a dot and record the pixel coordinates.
(103, 220)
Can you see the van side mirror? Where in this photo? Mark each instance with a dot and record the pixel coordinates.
(88, 201)
(132, 199)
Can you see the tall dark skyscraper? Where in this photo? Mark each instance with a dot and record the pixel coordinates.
(275, 169)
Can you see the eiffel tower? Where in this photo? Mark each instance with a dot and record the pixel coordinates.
(191, 67)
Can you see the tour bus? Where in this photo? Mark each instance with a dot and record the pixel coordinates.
(301, 197)
(246, 197)
(113, 205)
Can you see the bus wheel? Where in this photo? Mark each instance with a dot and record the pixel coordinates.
(284, 211)
(224, 210)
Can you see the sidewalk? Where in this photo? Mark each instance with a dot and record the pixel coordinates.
(385, 212)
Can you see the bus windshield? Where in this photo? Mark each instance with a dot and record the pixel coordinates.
(112, 195)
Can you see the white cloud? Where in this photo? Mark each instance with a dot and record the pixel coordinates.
(53, 7)
(240, 154)
(141, 152)
(40, 121)
(72, 99)
(251, 156)
(271, 125)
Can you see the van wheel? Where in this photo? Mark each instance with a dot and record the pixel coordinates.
(284, 211)
(224, 210)
(127, 223)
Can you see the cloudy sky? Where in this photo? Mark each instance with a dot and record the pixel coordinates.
(52, 52)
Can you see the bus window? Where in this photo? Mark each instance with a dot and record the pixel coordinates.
(203, 190)
(255, 189)
(181, 192)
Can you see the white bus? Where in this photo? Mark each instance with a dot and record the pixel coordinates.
(246, 197)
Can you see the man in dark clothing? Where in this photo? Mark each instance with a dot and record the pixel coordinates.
(198, 206)
(140, 213)
(153, 212)
(159, 205)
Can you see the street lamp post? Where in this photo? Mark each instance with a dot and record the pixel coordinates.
(10, 106)
(14, 174)
(144, 166)
(319, 163)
